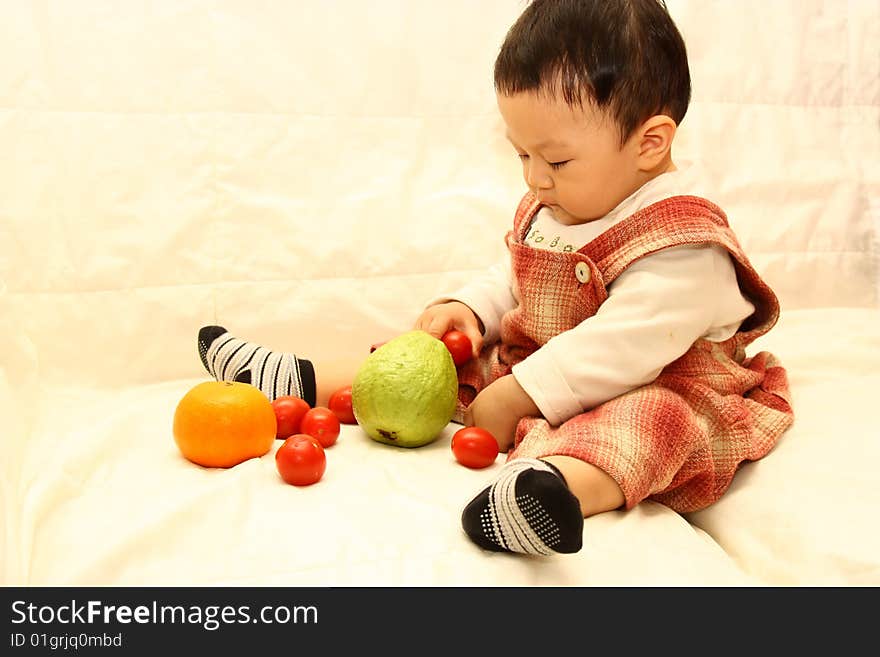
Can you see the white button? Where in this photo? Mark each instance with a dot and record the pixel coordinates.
(582, 272)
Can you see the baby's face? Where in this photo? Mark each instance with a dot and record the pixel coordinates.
(571, 157)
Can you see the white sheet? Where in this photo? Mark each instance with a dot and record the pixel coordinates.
(309, 182)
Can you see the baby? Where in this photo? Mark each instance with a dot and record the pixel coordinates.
(610, 344)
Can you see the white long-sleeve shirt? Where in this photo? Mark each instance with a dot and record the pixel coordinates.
(656, 309)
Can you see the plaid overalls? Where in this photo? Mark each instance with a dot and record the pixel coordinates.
(680, 439)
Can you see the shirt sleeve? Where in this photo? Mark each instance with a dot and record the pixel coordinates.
(654, 312)
(489, 295)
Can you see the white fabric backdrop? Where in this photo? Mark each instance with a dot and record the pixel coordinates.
(308, 174)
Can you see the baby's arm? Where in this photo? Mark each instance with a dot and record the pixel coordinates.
(654, 313)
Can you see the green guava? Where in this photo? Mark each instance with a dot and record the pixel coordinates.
(405, 392)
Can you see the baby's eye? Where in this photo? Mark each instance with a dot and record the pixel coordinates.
(558, 165)
(522, 156)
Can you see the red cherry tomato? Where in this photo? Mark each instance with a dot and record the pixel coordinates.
(321, 423)
(474, 447)
(300, 460)
(289, 412)
(340, 404)
(459, 346)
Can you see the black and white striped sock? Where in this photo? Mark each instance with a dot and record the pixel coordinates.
(528, 508)
(275, 373)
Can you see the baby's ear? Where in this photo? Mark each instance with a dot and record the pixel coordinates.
(655, 140)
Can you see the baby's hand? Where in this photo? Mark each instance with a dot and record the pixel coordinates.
(443, 317)
(499, 408)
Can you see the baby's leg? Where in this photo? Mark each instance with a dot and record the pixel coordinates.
(595, 489)
(332, 374)
(275, 373)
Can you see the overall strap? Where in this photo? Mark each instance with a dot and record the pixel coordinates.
(528, 207)
(679, 221)
(674, 221)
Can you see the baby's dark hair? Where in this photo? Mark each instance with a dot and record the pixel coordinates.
(625, 56)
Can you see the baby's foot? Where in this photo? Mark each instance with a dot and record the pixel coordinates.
(528, 509)
(228, 358)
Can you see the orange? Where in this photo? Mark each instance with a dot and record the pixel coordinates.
(219, 424)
